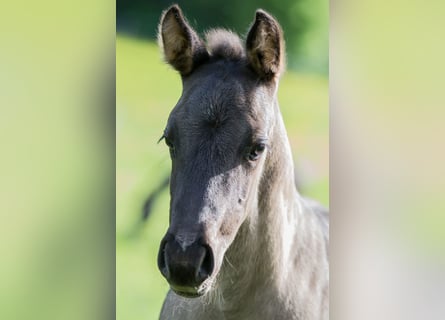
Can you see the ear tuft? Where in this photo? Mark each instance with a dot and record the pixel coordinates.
(265, 46)
(182, 47)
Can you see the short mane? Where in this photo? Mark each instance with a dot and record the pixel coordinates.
(222, 43)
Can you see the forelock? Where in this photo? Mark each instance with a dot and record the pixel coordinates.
(224, 44)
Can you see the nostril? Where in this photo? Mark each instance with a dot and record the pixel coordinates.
(206, 267)
(162, 260)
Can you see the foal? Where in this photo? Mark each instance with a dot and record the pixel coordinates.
(242, 243)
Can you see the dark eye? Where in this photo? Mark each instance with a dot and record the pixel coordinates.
(171, 148)
(169, 144)
(256, 151)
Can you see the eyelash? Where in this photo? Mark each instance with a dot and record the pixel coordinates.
(169, 144)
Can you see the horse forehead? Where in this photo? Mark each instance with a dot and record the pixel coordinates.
(221, 75)
(214, 100)
(218, 89)
(225, 93)
(221, 94)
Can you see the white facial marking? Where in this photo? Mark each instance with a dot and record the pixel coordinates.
(185, 240)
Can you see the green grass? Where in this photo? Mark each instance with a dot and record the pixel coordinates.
(146, 91)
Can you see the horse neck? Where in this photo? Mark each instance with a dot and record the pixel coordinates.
(258, 255)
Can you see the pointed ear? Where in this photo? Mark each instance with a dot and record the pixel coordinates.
(183, 49)
(265, 46)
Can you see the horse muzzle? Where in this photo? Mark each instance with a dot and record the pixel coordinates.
(185, 265)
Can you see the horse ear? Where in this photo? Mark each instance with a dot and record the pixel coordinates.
(183, 49)
(265, 46)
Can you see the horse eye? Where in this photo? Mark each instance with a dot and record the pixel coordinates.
(170, 146)
(256, 151)
(168, 142)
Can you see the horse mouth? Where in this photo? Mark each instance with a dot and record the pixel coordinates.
(187, 292)
(192, 292)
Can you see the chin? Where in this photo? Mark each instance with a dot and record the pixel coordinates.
(192, 292)
(187, 294)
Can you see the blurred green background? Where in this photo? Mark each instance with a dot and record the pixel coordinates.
(146, 91)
